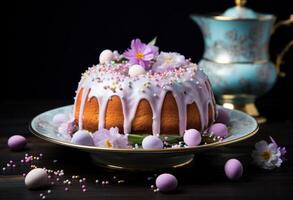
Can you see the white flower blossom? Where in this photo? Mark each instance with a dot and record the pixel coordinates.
(110, 138)
(168, 61)
(65, 124)
(268, 156)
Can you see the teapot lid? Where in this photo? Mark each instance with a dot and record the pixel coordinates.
(240, 12)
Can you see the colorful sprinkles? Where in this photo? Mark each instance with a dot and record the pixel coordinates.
(134, 77)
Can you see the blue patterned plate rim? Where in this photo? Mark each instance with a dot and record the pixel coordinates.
(241, 126)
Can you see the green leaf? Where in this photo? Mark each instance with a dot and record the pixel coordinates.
(137, 139)
(153, 42)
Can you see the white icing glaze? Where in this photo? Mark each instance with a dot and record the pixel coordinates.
(188, 85)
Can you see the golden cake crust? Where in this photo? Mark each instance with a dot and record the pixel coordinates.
(142, 122)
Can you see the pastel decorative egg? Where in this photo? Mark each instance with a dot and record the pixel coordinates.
(166, 182)
(60, 118)
(82, 137)
(233, 169)
(136, 70)
(152, 142)
(17, 142)
(219, 129)
(192, 137)
(223, 116)
(36, 178)
(106, 56)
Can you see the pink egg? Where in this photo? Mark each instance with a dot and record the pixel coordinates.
(233, 169)
(219, 129)
(82, 137)
(166, 182)
(152, 142)
(192, 137)
(223, 116)
(16, 142)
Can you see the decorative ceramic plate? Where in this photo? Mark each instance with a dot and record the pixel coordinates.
(241, 126)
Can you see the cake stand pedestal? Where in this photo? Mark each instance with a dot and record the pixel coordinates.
(244, 103)
(139, 162)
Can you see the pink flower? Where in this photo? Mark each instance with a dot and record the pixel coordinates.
(110, 138)
(141, 53)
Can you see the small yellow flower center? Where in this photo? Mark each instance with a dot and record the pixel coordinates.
(266, 155)
(108, 143)
(139, 55)
(168, 60)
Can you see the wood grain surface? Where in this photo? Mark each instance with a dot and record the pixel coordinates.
(203, 179)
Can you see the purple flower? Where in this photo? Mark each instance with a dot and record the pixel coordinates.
(268, 156)
(110, 138)
(141, 53)
(282, 150)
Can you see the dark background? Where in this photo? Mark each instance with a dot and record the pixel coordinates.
(54, 42)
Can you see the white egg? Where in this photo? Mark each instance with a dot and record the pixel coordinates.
(36, 178)
(136, 70)
(152, 142)
(83, 137)
(106, 56)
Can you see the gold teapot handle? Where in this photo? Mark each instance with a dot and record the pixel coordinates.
(280, 56)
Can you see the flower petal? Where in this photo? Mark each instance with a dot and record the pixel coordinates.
(148, 56)
(129, 53)
(142, 63)
(273, 148)
(272, 140)
(282, 150)
(261, 146)
(136, 45)
(155, 50)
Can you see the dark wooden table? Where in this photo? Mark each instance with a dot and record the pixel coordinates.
(204, 179)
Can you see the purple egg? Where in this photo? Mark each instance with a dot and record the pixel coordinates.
(152, 142)
(223, 116)
(82, 137)
(192, 137)
(219, 129)
(233, 169)
(16, 142)
(166, 182)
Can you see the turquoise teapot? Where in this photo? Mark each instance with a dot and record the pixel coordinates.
(236, 57)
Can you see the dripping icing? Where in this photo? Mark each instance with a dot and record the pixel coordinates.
(191, 88)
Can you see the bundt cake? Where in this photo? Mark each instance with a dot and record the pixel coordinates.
(143, 91)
